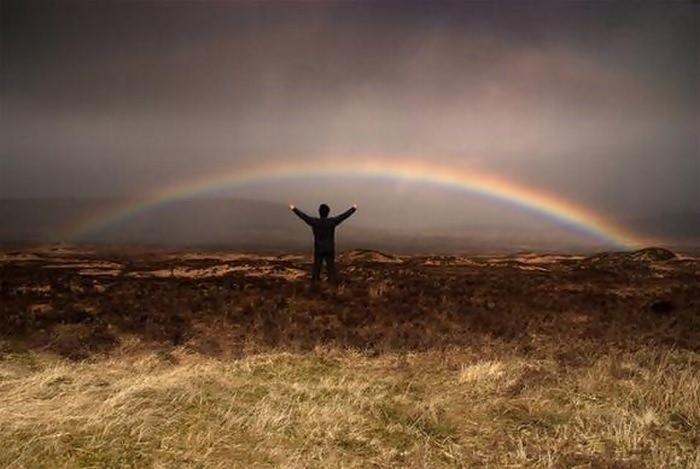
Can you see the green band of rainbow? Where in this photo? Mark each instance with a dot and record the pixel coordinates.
(549, 205)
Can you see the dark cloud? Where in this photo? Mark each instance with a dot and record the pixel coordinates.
(595, 101)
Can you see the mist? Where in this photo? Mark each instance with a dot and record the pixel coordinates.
(596, 103)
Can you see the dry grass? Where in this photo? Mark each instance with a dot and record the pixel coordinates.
(428, 362)
(340, 408)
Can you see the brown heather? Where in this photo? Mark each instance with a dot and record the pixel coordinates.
(115, 359)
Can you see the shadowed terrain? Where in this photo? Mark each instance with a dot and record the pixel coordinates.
(523, 359)
(255, 226)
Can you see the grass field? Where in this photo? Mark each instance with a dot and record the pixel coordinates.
(334, 408)
(476, 379)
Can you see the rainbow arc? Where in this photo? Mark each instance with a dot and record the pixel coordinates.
(546, 204)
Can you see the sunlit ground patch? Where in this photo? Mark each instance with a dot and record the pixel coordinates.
(335, 408)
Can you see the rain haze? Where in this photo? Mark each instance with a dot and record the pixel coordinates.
(508, 274)
(593, 103)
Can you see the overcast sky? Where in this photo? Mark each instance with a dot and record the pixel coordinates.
(595, 101)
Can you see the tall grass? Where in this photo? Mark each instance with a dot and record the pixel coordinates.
(341, 408)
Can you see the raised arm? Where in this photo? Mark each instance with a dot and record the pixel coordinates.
(307, 219)
(344, 216)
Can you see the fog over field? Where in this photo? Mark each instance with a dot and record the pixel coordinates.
(594, 105)
(515, 283)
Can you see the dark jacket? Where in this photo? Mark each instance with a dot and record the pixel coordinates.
(324, 230)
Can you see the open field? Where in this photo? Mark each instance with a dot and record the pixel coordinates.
(167, 359)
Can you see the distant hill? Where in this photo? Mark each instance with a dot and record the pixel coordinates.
(182, 223)
(253, 224)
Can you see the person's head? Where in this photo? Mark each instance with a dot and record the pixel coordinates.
(324, 210)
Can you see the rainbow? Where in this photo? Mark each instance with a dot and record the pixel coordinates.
(565, 212)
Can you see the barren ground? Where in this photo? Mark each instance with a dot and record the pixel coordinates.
(154, 358)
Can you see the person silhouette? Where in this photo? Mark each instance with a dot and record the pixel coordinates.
(324, 238)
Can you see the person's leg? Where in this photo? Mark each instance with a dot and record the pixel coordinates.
(324, 264)
(316, 270)
(330, 266)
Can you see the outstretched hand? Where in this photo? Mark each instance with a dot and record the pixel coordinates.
(354, 206)
(291, 207)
